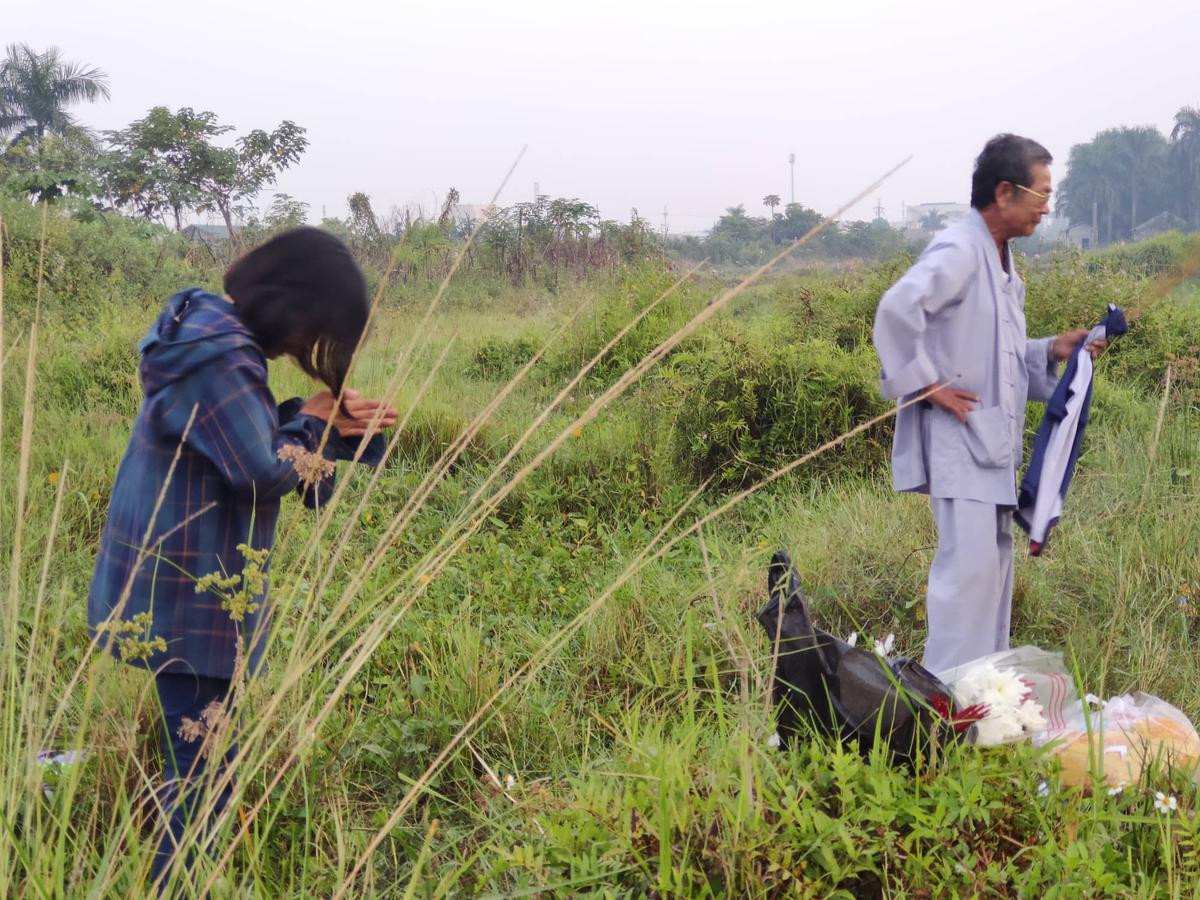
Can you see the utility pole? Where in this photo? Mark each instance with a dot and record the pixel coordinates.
(536, 191)
(664, 222)
(878, 208)
(792, 166)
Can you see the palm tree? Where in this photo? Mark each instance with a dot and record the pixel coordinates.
(770, 202)
(1185, 159)
(1141, 152)
(1088, 187)
(36, 89)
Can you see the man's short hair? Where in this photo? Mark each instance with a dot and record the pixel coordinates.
(1006, 157)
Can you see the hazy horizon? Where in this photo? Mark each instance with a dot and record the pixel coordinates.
(693, 107)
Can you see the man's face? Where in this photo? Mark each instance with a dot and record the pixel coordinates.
(1022, 208)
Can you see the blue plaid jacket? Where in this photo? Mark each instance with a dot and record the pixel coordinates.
(225, 489)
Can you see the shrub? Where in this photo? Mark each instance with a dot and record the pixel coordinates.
(499, 359)
(614, 308)
(1069, 291)
(1167, 333)
(91, 265)
(840, 307)
(748, 403)
(1146, 259)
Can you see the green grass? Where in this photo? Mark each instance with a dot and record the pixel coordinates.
(621, 689)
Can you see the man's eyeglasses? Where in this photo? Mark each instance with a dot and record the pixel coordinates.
(1045, 198)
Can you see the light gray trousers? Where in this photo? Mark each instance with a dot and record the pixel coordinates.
(969, 604)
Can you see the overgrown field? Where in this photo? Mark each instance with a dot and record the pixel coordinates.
(511, 663)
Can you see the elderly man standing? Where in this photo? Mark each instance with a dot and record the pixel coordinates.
(955, 325)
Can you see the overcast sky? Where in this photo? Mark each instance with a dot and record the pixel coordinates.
(692, 106)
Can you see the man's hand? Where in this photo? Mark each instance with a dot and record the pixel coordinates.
(953, 400)
(1064, 344)
(361, 413)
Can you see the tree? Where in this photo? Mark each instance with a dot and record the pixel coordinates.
(770, 202)
(863, 240)
(226, 175)
(59, 166)
(366, 237)
(36, 89)
(571, 224)
(186, 168)
(150, 165)
(362, 217)
(286, 212)
(444, 218)
(797, 221)
(571, 219)
(1116, 181)
(1142, 154)
(933, 220)
(735, 224)
(1086, 188)
(1185, 163)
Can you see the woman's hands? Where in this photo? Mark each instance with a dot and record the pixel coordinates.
(362, 413)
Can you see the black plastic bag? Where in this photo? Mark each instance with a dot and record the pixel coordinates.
(842, 691)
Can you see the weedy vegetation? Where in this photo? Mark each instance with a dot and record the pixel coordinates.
(510, 662)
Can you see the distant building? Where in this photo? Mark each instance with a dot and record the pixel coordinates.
(1079, 235)
(1060, 230)
(1162, 223)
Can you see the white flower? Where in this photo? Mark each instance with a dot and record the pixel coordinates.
(1008, 689)
(997, 727)
(774, 740)
(1165, 804)
(1030, 716)
(884, 647)
(510, 782)
(1012, 713)
(1043, 790)
(853, 639)
(1114, 791)
(1093, 700)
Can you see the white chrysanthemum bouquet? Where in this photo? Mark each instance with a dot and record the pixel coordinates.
(1011, 712)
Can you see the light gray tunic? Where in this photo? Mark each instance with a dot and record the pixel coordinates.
(958, 318)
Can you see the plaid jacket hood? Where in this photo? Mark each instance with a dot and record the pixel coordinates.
(174, 520)
(193, 330)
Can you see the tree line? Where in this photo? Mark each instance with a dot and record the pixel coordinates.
(742, 239)
(168, 165)
(1126, 176)
(160, 166)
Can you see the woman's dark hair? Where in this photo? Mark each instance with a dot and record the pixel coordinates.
(1006, 157)
(301, 293)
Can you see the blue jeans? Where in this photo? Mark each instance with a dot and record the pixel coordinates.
(184, 696)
